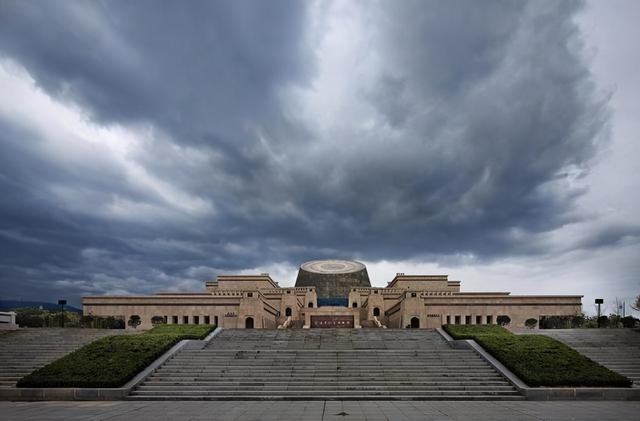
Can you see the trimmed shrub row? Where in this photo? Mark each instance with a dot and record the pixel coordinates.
(114, 360)
(539, 360)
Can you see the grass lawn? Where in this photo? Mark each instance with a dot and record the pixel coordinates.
(114, 360)
(539, 360)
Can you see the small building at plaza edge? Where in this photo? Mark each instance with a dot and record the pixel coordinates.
(333, 294)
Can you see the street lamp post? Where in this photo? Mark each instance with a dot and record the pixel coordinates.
(61, 303)
(599, 302)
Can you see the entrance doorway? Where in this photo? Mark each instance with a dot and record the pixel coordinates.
(248, 323)
(415, 323)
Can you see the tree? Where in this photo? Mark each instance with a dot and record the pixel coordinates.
(603, 321)
(629, 321)
(531, 323)
(636, 304)
(578, 321)
(134, 321)
(157, 320)
(503, 320)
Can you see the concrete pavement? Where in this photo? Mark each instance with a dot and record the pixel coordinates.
(320, 410)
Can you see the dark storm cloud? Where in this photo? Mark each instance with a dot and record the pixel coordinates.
(480, 115)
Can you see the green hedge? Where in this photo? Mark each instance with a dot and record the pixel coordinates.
(539, 360)
(185, 331)
(114, 360)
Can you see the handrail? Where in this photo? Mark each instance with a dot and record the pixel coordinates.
(286, 323)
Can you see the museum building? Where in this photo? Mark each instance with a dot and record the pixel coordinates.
(333, 293)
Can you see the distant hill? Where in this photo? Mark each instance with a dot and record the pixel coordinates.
(6, 305)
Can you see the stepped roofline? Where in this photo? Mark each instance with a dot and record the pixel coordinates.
(403, 277)
(247, 278)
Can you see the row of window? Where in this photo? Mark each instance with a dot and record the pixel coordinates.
(190, 320)
(467, 319)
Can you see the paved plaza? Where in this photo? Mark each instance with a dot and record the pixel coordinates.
(319, 410)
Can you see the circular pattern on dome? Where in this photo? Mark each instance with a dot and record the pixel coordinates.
(332, 266)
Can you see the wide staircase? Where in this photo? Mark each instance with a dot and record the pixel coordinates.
(616, 349)
(326, 364)
(25, 350)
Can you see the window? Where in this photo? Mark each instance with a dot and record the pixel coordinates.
(207, 320)
(310, 304)
(448, 320)
(467, 320)
(196, 320)
(185, 320)
(489, 320)
(288, 292)
(376, 311)
(174, 320)
(215, 320)
(249, 294)
(375, 292)
(457, 320)
(354, 305)
(478, 320)
(413, 294)
(287, 312)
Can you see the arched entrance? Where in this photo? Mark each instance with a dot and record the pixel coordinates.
(376, 312)
(415, 323)
(248, 323)
(287, 312)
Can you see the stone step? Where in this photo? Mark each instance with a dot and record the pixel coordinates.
(442, 377)
(315, 369)
(381, 393)
(267, 362)
(325, 373)
(616, 349)
(330, 357)
(369, 353)
(25, 350)
(343, 365)
(243, 365)
(312, 397)
(411, 387)
(21, 369)
(284, 392)
(338, 364)
(225, 382)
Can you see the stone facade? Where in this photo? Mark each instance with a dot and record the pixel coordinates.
(407, 301)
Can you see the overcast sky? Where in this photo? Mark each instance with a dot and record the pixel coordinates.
(148, 146)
